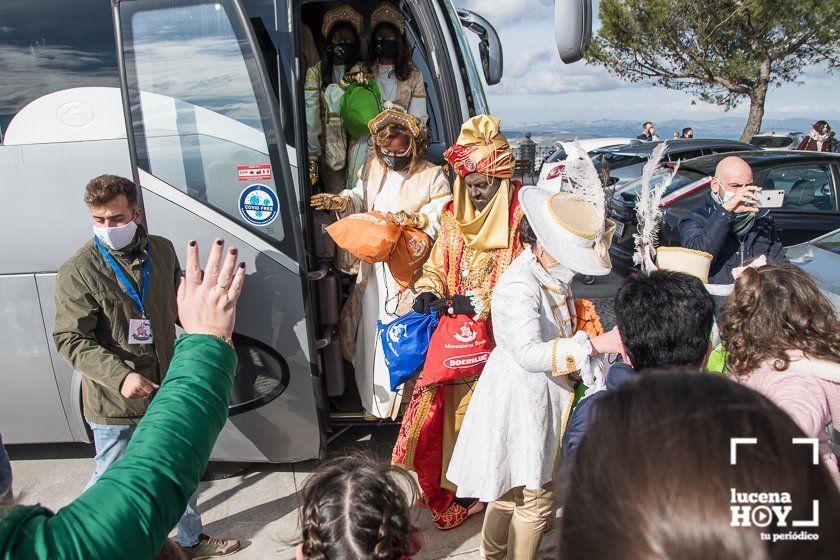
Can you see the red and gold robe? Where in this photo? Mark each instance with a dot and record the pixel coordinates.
(430, 424)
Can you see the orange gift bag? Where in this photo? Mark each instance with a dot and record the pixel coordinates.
(410, 252)
(370, 236)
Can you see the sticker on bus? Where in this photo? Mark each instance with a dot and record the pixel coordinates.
(258, 205)
(254, 172)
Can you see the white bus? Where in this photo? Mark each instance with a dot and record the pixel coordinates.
(198, 101)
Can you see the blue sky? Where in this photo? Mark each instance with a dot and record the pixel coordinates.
(538, 86)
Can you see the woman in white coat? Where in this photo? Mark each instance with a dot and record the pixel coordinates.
(400, 180)
(507, 451)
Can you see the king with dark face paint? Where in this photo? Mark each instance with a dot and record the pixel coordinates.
(477, 242)
(482, 188)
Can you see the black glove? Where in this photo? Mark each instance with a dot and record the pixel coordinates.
(455, 305)
(423, 302)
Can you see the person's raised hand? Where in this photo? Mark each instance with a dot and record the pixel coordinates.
(744, 200)
(207, 305)
(135, 386)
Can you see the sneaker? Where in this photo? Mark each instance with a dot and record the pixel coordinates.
(211, 547)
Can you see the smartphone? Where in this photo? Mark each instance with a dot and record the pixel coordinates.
(771, 199)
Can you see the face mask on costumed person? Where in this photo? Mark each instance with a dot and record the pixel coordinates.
(117, 237)
(342, 52)
(397, 163)
(386, 48)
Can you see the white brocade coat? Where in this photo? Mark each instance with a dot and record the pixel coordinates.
(513, 427)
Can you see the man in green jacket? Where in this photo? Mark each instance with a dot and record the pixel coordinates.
(115, 324)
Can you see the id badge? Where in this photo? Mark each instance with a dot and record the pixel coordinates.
(140, 332)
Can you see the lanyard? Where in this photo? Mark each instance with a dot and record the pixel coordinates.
(118, 271)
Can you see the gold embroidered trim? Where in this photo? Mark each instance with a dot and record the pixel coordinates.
(555, 291)
(417, 424)
(570, 361)
(443, 195)
(566, 416)
(554, 371)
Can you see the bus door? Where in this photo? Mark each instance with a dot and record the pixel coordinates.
(211, 161)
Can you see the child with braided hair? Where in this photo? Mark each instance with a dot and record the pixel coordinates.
(356, 508)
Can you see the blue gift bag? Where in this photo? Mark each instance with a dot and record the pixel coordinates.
(405, 341)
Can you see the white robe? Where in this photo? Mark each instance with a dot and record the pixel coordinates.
(513, 427)
(380, 298)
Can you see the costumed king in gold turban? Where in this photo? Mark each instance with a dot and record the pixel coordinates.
(476, 243)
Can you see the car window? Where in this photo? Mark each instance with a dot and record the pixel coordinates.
(829, 243)
(770, 141)
(723, 149)
(614, 160)
(807, 187)
(682, 156)
(683, 178)
(557, 155)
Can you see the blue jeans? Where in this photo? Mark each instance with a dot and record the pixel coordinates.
(5, 474)
(110, 442)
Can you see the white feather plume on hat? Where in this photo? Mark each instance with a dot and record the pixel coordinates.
(648, 213)
(583, 177)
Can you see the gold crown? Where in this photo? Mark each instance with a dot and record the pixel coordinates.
(387, 13)
(345, 12)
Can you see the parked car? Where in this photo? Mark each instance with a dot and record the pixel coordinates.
(820, 258)
(777, 140)
(810, 181)
(551, 169)
(626, 162)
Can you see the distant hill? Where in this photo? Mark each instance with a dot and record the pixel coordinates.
(547, 132)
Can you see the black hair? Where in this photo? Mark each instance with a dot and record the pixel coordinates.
(665, 319)
(356, 508)
(646, 123)
(686, 130)
(818, 126)
(403, 64)
(526, 234)
(328, 62)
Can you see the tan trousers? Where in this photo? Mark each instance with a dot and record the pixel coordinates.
(515, 523)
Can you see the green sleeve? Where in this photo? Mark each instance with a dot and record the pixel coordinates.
(130, 510)
(76, 316)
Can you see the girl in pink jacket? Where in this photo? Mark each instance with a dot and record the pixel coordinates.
(782, 339)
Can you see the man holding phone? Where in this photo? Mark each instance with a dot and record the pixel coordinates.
(731, 225)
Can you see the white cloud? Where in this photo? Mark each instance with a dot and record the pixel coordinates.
(502, 13)
(526, 60)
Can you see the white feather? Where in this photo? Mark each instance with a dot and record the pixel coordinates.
(648, 212)
(583, 177)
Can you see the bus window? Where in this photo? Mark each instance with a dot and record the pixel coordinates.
(47, 46)
(201, 113)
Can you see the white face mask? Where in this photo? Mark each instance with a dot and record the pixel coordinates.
(116, 237)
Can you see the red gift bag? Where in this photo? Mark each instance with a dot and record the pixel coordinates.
(459, 347)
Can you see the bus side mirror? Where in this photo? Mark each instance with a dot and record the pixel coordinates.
(489, 46)
(572, 28)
